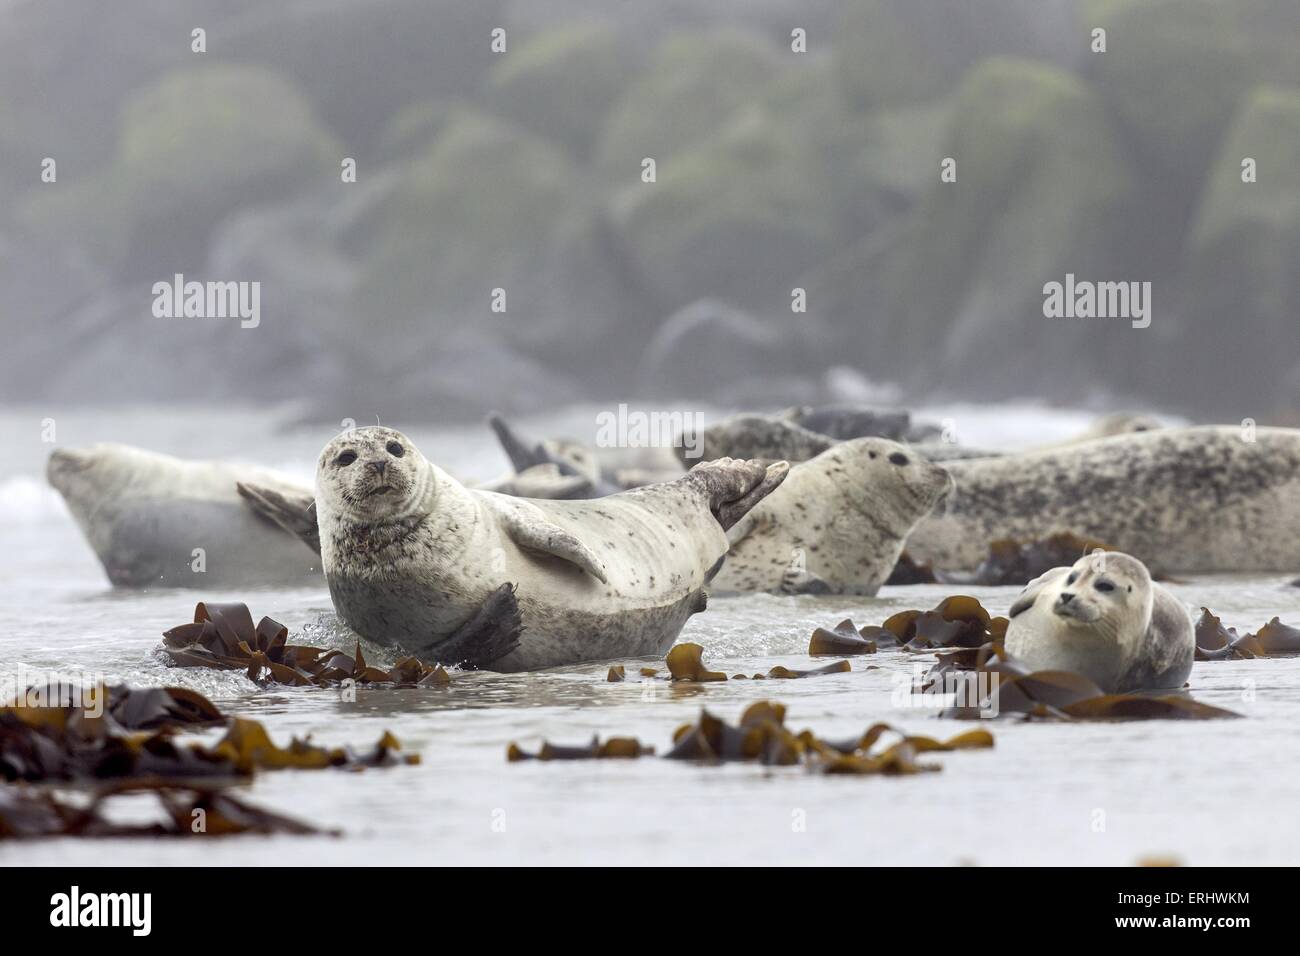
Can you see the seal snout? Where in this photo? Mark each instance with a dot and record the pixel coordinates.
(65, 462)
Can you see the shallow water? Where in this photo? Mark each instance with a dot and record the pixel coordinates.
(1203, 792)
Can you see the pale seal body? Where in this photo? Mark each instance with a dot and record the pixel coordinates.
(146, 515)
(410, 554)
(837, 524)
(1106, 619)
(1182, 500)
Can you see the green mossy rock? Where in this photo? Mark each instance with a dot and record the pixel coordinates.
(738, 216)
(691, 86)
(1242, 280)
(1175, 70)
(1042, 190)
(474, 212)
(560, 84)
(192, 148)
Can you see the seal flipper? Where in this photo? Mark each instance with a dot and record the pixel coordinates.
(493, 631)
(734, 487)
(531, 530)
(1029, 595)
(522, 454)
(295, 514)
(804, 582)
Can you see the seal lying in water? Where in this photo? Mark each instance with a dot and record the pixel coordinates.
(145, 514)
(1106, 619)
(837, 524)
(1183, 500)
(413, 557)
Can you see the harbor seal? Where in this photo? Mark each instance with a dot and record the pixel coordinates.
(158, 521)
(837, 524)
(410, 554)
(1182, 500)
(1106, 619)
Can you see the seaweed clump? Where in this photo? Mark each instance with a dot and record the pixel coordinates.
(1214, 642)
(686, 663)
(762, 737)
(223, 637)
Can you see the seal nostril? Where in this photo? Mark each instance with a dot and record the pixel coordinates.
(1066, 597)
(378, 467)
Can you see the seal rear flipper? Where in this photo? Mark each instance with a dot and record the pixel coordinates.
(734, 487)
(295, 514)
(522, 454)
(493, 631)
(1030, 594)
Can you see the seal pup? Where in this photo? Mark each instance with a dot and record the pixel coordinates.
(1106, 619)
(411, 555)
(158, 521)
(837, 524)
(1182, 500)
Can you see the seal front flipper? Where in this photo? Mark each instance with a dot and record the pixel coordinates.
(295, 513)
(490, 634)
(529, 528)
(1030, 594)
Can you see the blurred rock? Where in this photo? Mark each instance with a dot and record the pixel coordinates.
(475, 211)
(690, 87)
(1175, 70)
(895, 53)
(560, 83)
(741, 214)
(192, 148)
(1042, 190)
(1242, 281)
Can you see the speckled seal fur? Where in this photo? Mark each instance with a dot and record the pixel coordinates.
(410, 553)
(145, 513)
(1106, 619)
(1182, 500)
(837, 524)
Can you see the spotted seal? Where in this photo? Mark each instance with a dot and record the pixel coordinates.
(1182, 500)
(1106, 619)
(411, 555)
(837, 524)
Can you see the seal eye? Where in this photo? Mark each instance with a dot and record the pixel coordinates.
(898, 458)
(345, 459)
(1104, 586)
(395, 449)
(1072, 578)
(871, 454)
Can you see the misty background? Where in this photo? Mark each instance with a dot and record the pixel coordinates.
(775, 169)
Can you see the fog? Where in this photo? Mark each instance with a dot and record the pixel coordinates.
(426, 209)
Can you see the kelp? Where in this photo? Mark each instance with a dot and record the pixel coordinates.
(130, 708)
(959, 621)
(843, 638)
(999, 685)
(614, 748)
(1214, 642)
(686, 663)
(223, 637)
(78, 745)
(762, 737)
(27, 813)
(616, 674)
